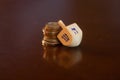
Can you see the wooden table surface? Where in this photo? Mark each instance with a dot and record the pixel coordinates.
(22, 57)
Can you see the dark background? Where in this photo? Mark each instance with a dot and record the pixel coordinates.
(22, 56)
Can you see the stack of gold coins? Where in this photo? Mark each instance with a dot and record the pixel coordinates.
(50, 32)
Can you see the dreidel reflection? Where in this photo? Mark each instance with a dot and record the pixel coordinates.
(70, 35)
(62, 56)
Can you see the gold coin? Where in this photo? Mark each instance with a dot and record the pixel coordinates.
(50, 32)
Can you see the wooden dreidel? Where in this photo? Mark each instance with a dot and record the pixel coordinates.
(70, 35)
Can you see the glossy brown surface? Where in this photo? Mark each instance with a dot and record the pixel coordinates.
(22, 56)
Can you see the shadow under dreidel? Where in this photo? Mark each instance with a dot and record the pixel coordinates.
(62, 56)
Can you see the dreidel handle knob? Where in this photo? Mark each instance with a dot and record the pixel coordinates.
(60, 22)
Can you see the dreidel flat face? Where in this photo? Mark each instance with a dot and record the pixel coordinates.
(76, 34)
(65, 37)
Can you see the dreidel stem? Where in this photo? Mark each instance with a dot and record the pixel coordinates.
(60, 22)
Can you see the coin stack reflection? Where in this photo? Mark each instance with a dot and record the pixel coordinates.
(50, 32)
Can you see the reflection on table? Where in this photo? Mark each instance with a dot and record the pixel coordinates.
(62, 56)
